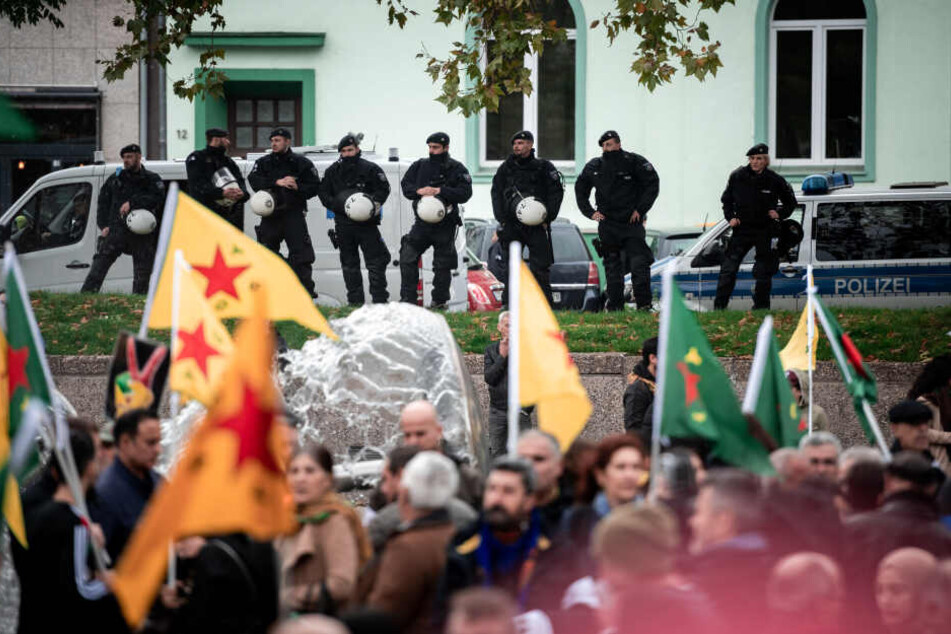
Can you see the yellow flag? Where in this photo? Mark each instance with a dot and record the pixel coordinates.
(12, 510)
(202, 347)
(796, 353)
(547, 374)
(229, 478)
(230, 265)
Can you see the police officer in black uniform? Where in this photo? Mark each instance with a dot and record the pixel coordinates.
(627, 186)
(201, 166)
(131, 187)
(520, 176)
(291, 179)
(353, 174)
(751, 203)
(448, 180)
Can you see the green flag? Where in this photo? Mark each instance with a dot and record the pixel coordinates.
(768, 395)
(27, 371)
(695, 398)
(859, 380)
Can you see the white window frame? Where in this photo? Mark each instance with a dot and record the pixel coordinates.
(820, 30)
(529, 110)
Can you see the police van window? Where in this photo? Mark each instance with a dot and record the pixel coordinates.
(53, 217)
(883, 230)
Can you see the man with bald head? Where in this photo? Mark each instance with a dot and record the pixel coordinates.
(900, 589)
(420, 426)
(805, 595)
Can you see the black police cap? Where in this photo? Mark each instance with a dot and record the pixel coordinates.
(438, 137)
(524, 135)
(132, 148)
(607, 136)
(347, 140)
(284, 132)
(214, 133)
(910, 412)
(759, 148)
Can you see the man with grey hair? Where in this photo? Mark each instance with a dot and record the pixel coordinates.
(543, 451)
(509, 547)
(822, 450)
(496, 375)
(413, 559)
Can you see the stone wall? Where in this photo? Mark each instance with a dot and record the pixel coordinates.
(83, 381)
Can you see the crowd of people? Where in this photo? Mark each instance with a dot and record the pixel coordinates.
(593, 540)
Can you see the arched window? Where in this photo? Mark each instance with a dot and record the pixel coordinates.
(817, 109)
(549, 112)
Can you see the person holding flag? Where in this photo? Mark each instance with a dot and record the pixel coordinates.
(801, 389)
(59, 537)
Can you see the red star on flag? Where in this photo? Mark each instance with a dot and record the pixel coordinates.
(16, 362)
(252, 425)
(560, 336)
(690, 383)
(195, 346)
(220, 276)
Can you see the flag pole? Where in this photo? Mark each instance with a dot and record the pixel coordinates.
(663, 337)
(161, 252)
(810, 333)
(175, 399)
(514, 291)
(847, 375)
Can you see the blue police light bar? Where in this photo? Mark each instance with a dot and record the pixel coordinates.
(825, 183)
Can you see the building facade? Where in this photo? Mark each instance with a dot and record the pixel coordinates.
(854, 85)
(51, 76)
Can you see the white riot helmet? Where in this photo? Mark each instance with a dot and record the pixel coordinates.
(359, 207)
(224, 179)
(262, 203)
(140, 221)
(530, 211)
(430, 209)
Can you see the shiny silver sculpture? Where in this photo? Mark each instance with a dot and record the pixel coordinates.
(349, 393)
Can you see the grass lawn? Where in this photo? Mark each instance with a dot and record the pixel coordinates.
(88, 324)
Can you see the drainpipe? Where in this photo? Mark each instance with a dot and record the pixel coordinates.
(143, 109)
(154, 96)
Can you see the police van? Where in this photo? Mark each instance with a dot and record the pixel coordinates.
(53, 226)
(868, 246)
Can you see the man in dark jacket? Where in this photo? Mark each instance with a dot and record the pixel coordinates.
(127, 485)
(751, 204)
(292, 179)
(132, 187)
(447, 180)
(910, 421)
(214, 179)
(627, 186)
(520, 176)
(352, 174)
(508, 547)
(639, 395)
(496, 375)
(907, 518)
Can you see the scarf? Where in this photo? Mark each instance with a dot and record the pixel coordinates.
(332, 504)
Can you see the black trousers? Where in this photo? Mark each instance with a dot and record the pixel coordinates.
(234, 215)
(108, 250)
(624, 247)
(540, 256)
(765, 265)
(351, 239)
(499, 429)
(290, 227)
(442, 238)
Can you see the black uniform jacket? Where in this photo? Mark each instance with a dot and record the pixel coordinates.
(624, 182)
(273, 167)
(347, 176)
(201, 166)
(750, 196)
(142, 190)
(449, 175)
(519, 178)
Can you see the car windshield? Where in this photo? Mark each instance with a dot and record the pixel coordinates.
(569, 246)
(675, 245)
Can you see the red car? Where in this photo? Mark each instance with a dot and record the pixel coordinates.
(485, 290)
